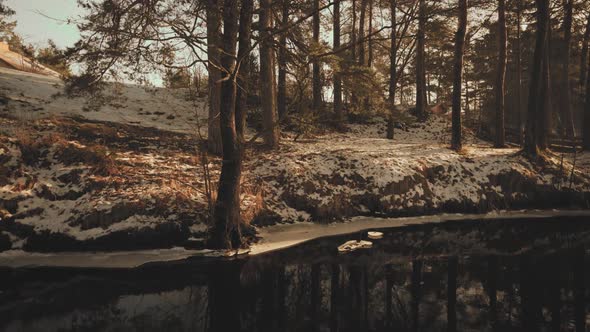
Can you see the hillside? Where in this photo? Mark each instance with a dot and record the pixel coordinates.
(124, 172)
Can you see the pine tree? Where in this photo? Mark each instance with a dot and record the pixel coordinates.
(456, 143)
(500, 140)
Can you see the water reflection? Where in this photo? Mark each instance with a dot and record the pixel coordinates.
(537, 284)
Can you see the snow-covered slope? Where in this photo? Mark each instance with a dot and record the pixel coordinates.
(32, 96)
(362, 173)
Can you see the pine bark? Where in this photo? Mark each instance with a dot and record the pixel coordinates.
(530, 144)
(544, 119)
(267, 77)
(226, 216)
(361, 33)
(586, 129)
(392, 69)
(353, 50)
(337, 77)
(317, 87)
(369, 49)
(584, 56)
(214, 73)
(420, 67)
(456, 143)
(567, 107)
(518, 110)
(282, 62)
(353, 32)
(500, 140)
(244, 74)
(370, 36)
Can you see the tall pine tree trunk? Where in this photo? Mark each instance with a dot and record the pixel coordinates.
(317, 87)
(244, 71)
(337, 77)
(420, 67)
(361, 33)
(369, 50)
(584, 57)
(353, 50)
(267, 77)
(500, 140)
(586, 129)
(567, 106)
(282, 59)
(518, 110)
(458, 75)
(214, 73)
(392, 68)
(544, 120)
(226, 217)
(535, 99)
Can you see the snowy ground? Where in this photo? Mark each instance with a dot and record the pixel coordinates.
(127, 175)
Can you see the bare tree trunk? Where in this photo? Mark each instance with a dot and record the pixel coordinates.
(213, 43)
(361, 35)
(282, 59)
(267, 77)
(570, 128)
(370, 36)
(458, 75)
(586, 129)
(370, 49)
(392, 68)
(420, 70)
(244, 74)
(530, 144)
(467, 99)
(500, 140)
(544, 120)
(226, 228)
(317, 87)
(353, 51)
(519, 111)
(337, 77)
(584, 56)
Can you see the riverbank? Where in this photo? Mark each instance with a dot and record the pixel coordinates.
(125, 174)
(272, 238)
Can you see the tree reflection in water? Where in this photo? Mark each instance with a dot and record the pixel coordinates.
(404, 283)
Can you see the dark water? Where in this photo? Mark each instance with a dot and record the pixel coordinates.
(526, 275)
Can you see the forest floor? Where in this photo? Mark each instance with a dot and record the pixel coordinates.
(123, 172)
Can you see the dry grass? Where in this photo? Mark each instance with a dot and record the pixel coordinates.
(97, 156)
(34, 147)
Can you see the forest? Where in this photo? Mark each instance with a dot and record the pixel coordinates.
(514, 74)
(198, 123)
(294, 165)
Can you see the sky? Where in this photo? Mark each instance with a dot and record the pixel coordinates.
(36, 29)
